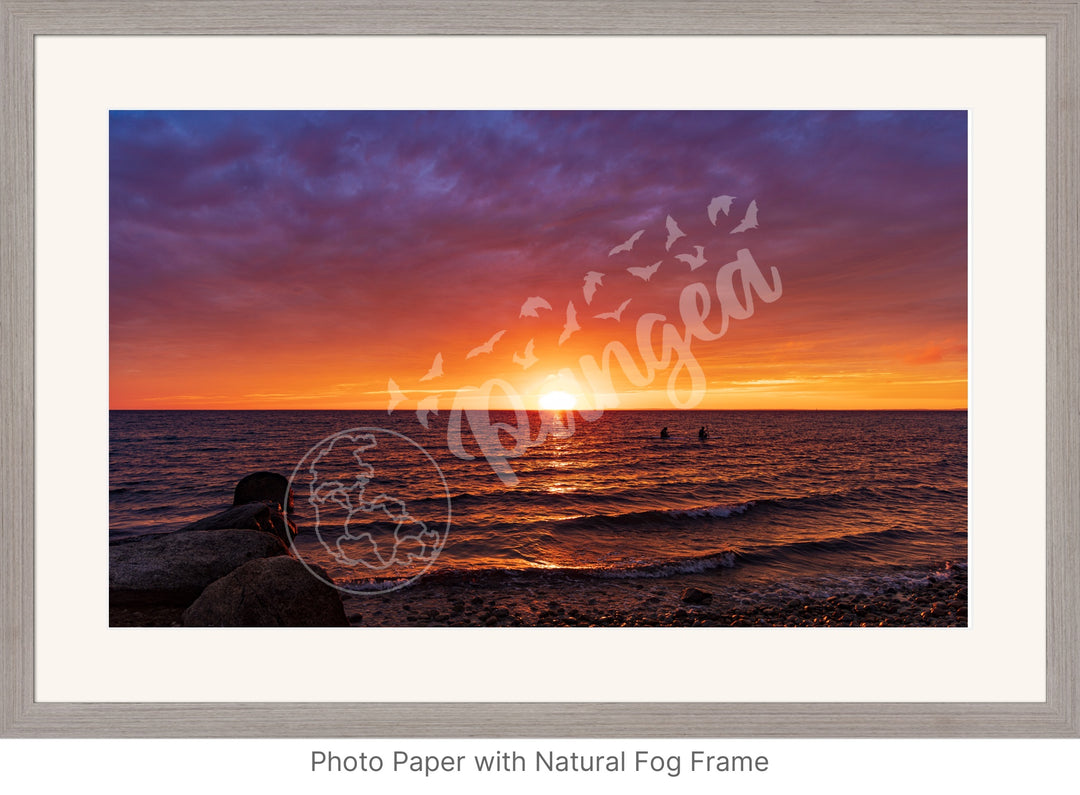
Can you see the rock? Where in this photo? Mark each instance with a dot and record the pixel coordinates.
(696, 596)
(186, 562)
(262, 487)
(265, 516)
(148, 608)
(270, 592)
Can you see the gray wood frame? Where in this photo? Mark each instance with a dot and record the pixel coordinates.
(22, 20)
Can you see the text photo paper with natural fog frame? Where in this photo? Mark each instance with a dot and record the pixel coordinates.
(538, 368)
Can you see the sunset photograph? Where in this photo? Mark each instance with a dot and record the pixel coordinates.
(538, 368)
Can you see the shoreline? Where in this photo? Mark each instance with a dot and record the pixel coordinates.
(656, 603)
(607, 603)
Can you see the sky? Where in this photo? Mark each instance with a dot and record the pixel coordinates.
(352, 260)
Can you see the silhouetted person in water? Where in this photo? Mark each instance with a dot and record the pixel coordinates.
(664, 434)
(703, 434)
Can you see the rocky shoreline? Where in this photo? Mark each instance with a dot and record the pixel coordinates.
(236, 569)
(232, 569)
(657, 603)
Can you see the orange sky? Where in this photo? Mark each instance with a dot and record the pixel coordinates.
(295, 260)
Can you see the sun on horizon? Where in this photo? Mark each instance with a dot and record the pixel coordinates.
(557, 401)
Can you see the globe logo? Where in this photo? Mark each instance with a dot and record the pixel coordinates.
(378, 506)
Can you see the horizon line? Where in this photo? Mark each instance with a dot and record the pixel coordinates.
(537, 411)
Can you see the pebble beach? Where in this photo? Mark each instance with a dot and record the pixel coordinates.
(936, 603)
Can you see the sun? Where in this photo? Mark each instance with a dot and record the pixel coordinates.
(557, 401)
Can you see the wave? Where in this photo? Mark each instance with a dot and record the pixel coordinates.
(759, 555)
(713, 511)
(621, 505)
(594, 523)
(718, 560)
(851, 543)
(519, 575)
(657, 517)
(621, 489)
(763, 557)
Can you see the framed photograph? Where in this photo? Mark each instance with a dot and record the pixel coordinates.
(707, 379)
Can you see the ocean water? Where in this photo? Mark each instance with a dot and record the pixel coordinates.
(772, 502)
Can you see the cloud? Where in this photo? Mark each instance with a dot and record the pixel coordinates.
(933, 353)
(346, 242)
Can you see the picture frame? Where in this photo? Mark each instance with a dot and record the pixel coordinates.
(22, 716)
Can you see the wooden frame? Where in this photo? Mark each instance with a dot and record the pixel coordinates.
(21, 716)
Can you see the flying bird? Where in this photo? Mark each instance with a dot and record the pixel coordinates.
(629, 244)
(487, 347)
(695, 261)
(396, 395)
(593, 279)
(645, 273)
(429, 405)
(528, 360)
(436, 369)
(616, 315)
(719, 204)
(528, 309)
(749, 220)
(571, 323)
(673, 232)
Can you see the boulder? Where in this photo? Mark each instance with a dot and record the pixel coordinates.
(262, 487)
(270, 592)
(185, 562)
(696, 596)
(148, 608)
(264, 516)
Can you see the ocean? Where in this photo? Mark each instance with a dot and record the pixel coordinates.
(772, 506)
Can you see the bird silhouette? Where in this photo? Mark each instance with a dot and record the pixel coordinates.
(528, 309)
(719, 204)
(571, 323)
(695, 261)
(528, 360)
(429, 405)
(629, 244)
(436, 369)
(487, 347)
(616, 315)
(749, 220)
(396, 395)
(673, 233)
(593, 279)
(645, 273)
